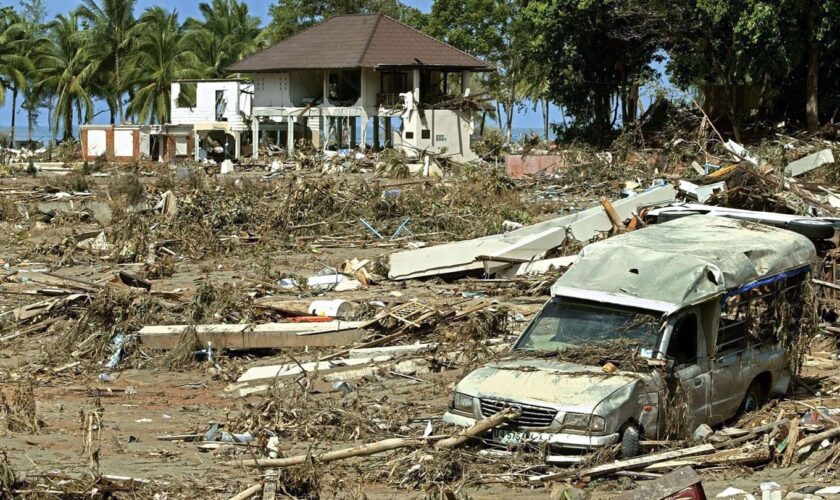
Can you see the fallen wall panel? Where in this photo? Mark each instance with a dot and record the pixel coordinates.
(528, 242)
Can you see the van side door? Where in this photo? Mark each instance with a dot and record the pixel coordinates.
(687, 348)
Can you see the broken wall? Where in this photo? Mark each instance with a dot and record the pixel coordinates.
(439, 131)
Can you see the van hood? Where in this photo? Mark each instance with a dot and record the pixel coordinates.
(566, 386)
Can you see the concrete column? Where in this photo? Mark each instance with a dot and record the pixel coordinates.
(196, 145)
(389, 135)
(353, 130)
(365, 124)
(466, 83)
(255, 140)
(326, 91)
(339, 132)
(322, 140)
(376, 146)
(237, 146)
(290, 136)
(415, 78)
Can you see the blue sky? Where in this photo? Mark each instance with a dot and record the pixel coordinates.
(528, 118)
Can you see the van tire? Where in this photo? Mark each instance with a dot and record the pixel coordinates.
(812, 228)
(754, 398)
(630, 439)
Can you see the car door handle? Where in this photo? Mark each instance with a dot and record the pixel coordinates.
(698, 382)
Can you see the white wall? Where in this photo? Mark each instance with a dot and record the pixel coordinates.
(205, 104)
(123, 143)
(96, 142)
(448, 133)
(272, 90)
(370, 87)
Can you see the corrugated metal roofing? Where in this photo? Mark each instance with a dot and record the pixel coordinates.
(354, 41)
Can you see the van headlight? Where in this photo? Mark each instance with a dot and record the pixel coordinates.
(584, 422)
(462, 403)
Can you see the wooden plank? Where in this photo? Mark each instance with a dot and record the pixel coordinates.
(792, 438)
(725, 457)
(631, 463)
(266, 336)
(826, 284)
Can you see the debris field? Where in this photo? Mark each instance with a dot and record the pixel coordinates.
(297, 332)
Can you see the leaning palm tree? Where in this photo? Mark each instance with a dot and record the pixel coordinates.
(159, 57)
(226, 33)
(111, 29)
(13, 60)
(67, 69)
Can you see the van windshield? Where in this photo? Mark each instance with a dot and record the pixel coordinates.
(566, 323)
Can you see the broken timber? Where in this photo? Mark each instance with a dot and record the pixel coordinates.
(385, 445)
(263, 336)
(632, 463)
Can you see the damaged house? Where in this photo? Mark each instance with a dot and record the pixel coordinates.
(335, 81)
(208, 118)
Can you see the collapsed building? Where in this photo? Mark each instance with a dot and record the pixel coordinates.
(208, 118)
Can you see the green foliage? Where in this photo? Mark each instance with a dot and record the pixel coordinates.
(161, 56)
(595, 52)
(226, 33)
(494, 31)
(66, 70)
(109, 36)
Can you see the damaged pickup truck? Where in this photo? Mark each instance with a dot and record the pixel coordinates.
(650, 334)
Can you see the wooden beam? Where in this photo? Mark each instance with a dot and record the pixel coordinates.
(265, 336)
(631, 463)
(725, 457)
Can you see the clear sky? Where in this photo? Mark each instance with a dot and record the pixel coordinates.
(524, 119)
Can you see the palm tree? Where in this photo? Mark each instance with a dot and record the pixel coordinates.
(111, 31)
(67, 69)
(13, 60)
(226, 34)
(159, 57)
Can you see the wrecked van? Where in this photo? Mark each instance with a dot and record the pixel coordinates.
(650, 334)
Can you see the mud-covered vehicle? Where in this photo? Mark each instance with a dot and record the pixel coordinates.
(650, 334)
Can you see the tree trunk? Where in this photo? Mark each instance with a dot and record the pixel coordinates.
(14, 112)
(546, 123)
(119, 86)
(812, 115)
(499, 117)
(509, 109)
(735, 122)
(68, 122)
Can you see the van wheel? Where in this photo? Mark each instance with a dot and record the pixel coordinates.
(754, 398)
(630, 441)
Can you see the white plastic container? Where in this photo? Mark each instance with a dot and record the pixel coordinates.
(336, 308)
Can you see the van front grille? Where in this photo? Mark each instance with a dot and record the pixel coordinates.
(529, 416)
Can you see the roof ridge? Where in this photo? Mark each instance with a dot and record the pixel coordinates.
(370, 38)
(439, 42)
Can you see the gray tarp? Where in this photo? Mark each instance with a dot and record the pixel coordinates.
(686, 260)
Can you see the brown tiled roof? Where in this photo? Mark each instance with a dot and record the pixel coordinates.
(354, 41)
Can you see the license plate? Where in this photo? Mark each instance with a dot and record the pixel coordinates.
(509, 437)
